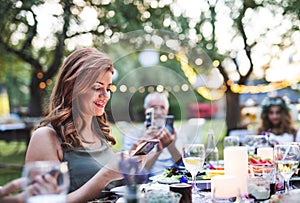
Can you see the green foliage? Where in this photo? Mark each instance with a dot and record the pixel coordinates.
(16, 77)
(7, 174)
(12, 158)
(20, 35)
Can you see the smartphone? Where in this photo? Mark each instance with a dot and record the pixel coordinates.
(149, 117)
(170, 123)
(53, 172)
(57, 171)
(145, 147)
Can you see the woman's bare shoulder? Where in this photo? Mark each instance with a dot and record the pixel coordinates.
(44, 133)
(44, 130)
(43, 145)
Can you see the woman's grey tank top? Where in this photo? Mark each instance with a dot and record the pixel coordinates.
(83, 164)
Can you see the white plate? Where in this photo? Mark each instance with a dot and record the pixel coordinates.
(119, 190)
(156, 186)
(163, 180)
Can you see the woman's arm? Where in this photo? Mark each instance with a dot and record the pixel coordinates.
(44, 145)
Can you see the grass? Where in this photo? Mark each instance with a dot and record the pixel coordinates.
(12, 156)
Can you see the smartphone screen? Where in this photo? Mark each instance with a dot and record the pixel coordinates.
(147, 148)
(149, 117)
(170, 123)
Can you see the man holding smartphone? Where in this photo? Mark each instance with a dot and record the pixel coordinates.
(166, 154)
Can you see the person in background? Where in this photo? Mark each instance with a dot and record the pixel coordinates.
(76, 129)
(277, 121)
(166, 153)
(12, 191)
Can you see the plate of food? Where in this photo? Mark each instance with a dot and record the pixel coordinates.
(176, 175)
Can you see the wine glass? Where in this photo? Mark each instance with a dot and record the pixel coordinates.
(193, 158)
(286, 161)
(250, 142)
(262, 140)
(254, 141)
(47, 181)
(231, 141)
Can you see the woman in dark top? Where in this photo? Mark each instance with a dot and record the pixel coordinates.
(76, 129)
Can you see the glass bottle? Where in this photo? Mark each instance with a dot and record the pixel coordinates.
(212, 152)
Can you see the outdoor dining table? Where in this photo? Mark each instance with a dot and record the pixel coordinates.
(204, 189)
(293, 197)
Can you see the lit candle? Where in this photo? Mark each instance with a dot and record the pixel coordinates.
(224, 187)
(236, 164)
(265, 152)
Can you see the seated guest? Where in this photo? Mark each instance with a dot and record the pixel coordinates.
(277, 121)
(11, 192)
(166, 153)
(76, 129)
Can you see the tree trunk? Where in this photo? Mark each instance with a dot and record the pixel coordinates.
(36, 98)
(233, 113)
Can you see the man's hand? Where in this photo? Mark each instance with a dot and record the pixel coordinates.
(168, 140)
(165, 138)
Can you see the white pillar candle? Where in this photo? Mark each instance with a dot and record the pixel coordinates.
(224, 187)
(236, 164)
(265, 152)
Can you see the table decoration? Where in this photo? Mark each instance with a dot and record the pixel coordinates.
(231, 141)
(193, 156)
(185, 190)
(236, 164)
(161, 197)
(259, 180)
(224, 188)
(291, 197)
(133, 177)
(286, 158)
(265, 152)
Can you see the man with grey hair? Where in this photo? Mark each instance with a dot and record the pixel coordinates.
(166, 154)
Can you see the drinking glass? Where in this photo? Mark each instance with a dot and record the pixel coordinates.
(193, 158)
(231, 141)
(254, 141)
(286, 161)
(47, 181)
(262, 140)
(249, 141)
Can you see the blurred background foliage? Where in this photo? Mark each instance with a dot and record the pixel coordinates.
(37, 35)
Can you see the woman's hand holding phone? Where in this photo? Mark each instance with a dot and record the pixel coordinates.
(144, 147)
